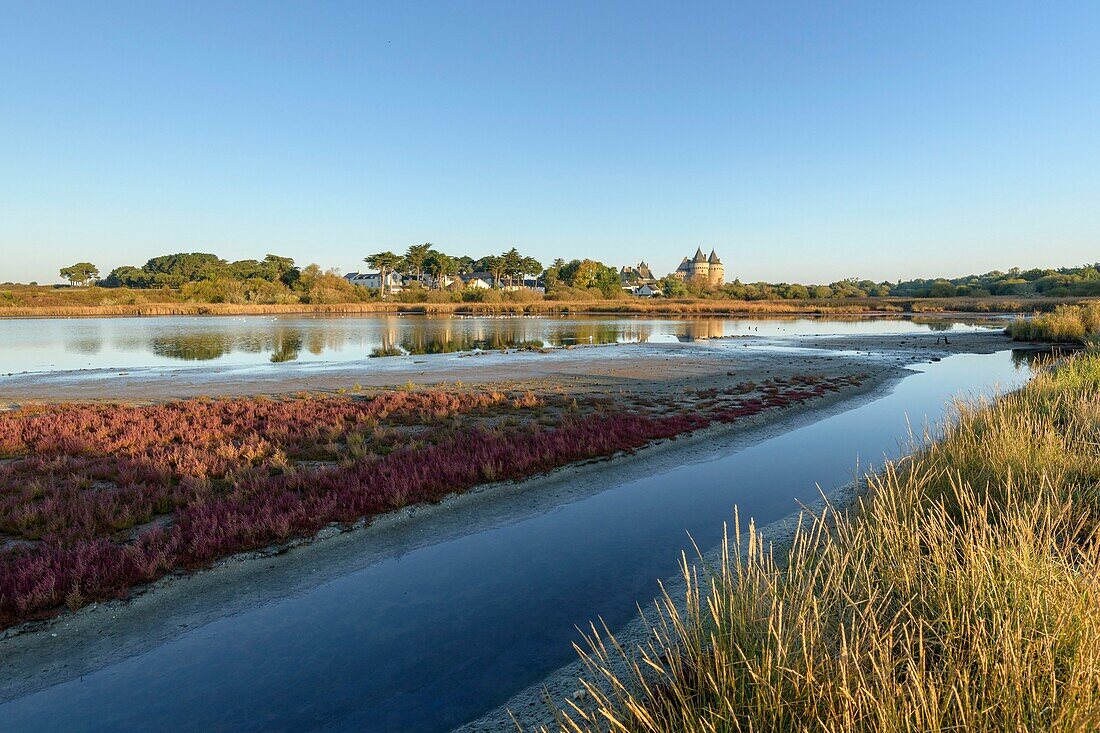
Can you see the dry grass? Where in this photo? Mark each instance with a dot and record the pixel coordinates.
(42, 301)
(960, 594)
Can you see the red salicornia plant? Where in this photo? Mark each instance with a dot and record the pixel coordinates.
(95, 499)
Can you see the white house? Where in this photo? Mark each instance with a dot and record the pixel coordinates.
(446, 281)
(374, 280)
(478, 280)
(647, 291)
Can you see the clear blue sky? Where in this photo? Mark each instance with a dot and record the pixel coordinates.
(803, 141)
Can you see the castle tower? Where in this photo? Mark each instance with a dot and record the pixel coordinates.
(717, 271)
(700, 268)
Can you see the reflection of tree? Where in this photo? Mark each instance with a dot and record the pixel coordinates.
(587, 333)
(193, 347)
(88, 345)
(287, 346)
(934, 324)
(320, 340)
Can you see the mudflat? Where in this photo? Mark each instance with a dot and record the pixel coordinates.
(621, 366)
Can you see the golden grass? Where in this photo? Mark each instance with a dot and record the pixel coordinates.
(41, 301)
(962, 593)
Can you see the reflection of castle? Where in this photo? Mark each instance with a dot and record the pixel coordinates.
(702, 270)
(702, 329)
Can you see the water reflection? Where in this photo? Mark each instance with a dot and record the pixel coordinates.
(65, 344)
(197, 347)
(1032, 359)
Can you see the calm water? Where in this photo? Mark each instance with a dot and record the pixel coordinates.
(442, 633)
(49, 345)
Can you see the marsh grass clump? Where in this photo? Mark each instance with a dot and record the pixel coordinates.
(1079, 324)
(961, 593)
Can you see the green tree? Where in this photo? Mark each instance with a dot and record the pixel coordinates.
(415, 257)
(512, 262)
(439, 266)
(495, 266)
(673, 287)
(552, 275)
(177, 269)
(81, 273)
(386, 263)
(530, 266)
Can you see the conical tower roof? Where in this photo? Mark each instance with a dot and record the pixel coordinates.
(699, 256)
(714, 258)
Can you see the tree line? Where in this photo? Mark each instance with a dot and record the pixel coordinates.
(425, 268)
(425, 259)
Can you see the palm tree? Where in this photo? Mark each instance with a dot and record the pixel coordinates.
(385, 262)
(415, 256)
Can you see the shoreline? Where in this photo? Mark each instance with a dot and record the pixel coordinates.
(40, 654)
(532, 708)
(612, 366)
(869, 307)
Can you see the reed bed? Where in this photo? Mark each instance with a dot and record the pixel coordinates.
(95, 499)
(961, 593)
(83, 304)
(1074, 324)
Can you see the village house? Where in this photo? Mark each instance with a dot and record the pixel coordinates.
(634, 279)
(478, 280)
(394, 281)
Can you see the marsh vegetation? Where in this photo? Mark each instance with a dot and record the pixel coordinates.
(959, 593)
(1072, 324)
(97, 498)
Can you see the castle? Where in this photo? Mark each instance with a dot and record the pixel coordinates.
(702, 270)
(640, 275)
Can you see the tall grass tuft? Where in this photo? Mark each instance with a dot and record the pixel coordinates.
(961, 593)
(1065, 324)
